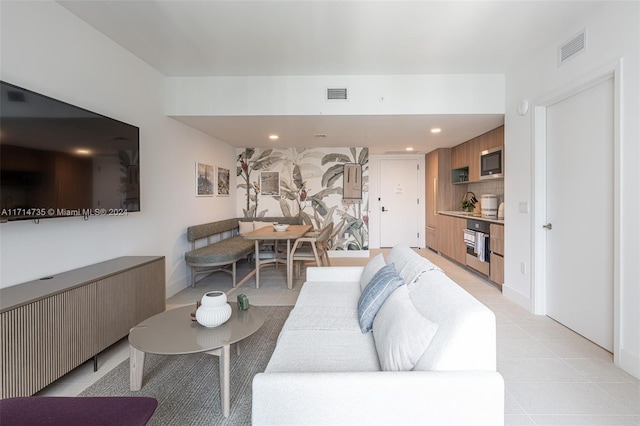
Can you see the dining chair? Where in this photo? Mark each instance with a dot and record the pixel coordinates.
(311, 249)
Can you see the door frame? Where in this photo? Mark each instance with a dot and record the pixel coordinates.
(539, 167)
(374, 194)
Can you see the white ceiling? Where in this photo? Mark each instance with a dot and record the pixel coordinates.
(299, 37)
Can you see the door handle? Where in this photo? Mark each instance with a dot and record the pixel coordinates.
(384, 210)
(548, 226)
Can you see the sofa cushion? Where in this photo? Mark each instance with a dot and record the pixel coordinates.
(223, 252)
(373, 265)
(308, 351)
(409, 264)
(383, 283)
(323, 318)
(329, 293)
(400, 332)
(414, 268)
(400, 255)
(466, 336)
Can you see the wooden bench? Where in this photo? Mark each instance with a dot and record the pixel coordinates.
(224, 246)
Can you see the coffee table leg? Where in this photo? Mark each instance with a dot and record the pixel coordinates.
(136, 366)
(225, 356)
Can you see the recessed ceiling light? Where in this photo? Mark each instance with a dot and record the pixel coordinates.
(436, 130)
(274, 137)
(409, 148)
(83, 151)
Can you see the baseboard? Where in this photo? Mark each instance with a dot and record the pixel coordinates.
(177, 286)
(348, 253)
(630, 363)
(517, 297)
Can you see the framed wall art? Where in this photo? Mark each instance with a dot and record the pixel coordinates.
(223, 179)
(352, 183)
(204, 180)
(270, 183)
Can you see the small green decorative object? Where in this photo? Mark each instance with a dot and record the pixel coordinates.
(243, 302)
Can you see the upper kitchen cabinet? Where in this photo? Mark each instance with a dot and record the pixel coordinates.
(465, 158)
(460, 156)
(492, 139)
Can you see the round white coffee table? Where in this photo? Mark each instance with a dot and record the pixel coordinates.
(174, 333)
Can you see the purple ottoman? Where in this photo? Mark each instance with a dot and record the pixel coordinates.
(76, 411)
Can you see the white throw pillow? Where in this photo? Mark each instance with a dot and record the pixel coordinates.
(244, 227)
(414, 268)
(400, 254)
(258, 224)
(401, 333)
(373, 265)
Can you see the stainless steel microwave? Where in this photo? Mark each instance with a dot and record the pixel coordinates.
(492, 163)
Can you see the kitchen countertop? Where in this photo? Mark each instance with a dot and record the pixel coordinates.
(465, 215)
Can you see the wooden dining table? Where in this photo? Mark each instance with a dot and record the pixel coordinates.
(267, 233)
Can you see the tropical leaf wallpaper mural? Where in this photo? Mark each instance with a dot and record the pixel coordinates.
(311, 186)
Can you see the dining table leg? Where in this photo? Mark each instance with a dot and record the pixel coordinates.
(257, 263)
(289, 265)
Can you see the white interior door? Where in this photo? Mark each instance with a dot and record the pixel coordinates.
(580, 196)
(399, 202)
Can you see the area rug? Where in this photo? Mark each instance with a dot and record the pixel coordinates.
(187, 387)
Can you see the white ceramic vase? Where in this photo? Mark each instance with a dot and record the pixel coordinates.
(214, 309)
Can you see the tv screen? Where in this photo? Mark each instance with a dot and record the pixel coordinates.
(59, 160)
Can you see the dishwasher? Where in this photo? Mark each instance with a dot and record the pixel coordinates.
(476, 238)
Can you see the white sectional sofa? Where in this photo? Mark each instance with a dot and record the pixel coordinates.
(325, 370)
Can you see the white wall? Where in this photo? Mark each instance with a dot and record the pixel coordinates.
(48, 50)
(613, 33)
(305, 95)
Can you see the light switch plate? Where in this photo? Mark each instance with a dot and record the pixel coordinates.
(523, 207)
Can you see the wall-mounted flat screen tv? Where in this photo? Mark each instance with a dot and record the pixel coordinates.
(59, 160)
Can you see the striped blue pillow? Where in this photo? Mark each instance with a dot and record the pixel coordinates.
(383, 283)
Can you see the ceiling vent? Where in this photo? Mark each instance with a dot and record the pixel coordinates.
(337, 94)
(16, 96)
(572, 47)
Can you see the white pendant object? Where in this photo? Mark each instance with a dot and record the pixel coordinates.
(214, 309)
(523, 107)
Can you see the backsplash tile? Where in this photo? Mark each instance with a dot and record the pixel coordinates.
(488, 187)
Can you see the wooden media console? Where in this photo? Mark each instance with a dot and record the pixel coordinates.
(50, 326)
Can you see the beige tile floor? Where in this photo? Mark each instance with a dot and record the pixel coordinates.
(552, 375)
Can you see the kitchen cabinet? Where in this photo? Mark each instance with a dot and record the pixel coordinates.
(451, 238)
(460, 156)
(496, 245)
(474, 159)
(492, 139)
(440, 194)
(431, 203)
(466, 156)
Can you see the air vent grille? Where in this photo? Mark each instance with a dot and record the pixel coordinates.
(574, 46)
(337, 94)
